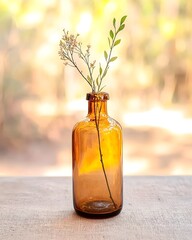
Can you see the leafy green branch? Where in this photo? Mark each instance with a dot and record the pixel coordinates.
(70, 47)
(108, 56)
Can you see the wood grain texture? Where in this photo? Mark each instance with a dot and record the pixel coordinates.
(41, 209)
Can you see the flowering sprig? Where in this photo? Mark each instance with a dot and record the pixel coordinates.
(70, 47)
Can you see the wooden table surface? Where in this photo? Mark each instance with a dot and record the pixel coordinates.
(41, 208)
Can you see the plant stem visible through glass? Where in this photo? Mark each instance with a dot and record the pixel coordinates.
(97, 121)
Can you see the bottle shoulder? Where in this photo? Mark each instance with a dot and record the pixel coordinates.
(115, 122)
(80, 124)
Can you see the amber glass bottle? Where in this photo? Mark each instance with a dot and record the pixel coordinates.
(97, 161)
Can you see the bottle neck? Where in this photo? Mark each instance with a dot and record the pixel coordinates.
(97, 104)
(97, 107)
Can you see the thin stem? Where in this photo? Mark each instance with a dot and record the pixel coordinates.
(86, 60)
(97, 121)
(71, 59)
(108, 60)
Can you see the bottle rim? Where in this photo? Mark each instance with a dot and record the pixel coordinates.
(93, 96)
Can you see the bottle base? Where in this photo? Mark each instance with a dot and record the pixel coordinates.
(98, 209)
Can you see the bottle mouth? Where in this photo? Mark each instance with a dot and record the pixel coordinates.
(92, 96)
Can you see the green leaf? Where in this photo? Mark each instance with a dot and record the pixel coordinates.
(113, 59)
(104, 74)
(114, 23)
(97, 81)
(117, 42)
(111, 34)
(89, 79)
(123, 20)
(121, 27)
(105, 55)
(109, 41)
(100, 70)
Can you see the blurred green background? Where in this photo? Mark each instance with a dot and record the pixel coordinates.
(149, 85)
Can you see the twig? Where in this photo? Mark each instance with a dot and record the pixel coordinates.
(97, 121)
